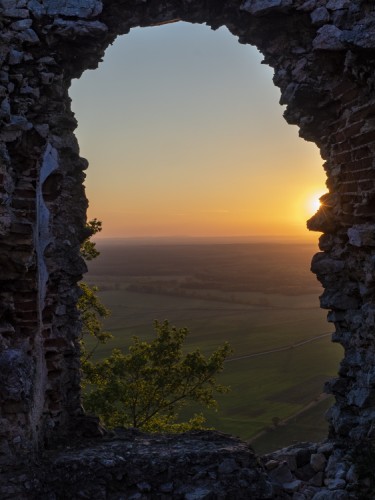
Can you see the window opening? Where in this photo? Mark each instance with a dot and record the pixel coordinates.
(203, 190)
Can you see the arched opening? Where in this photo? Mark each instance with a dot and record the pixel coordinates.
(323, 61)
(227, 175)
(219, 159)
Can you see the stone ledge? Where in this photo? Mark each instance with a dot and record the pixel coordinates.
(135, 466)
(127, 464)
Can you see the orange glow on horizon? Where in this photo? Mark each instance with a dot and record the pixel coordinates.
(186, 149)
(280, 216)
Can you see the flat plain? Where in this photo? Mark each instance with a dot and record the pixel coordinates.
(262, 298)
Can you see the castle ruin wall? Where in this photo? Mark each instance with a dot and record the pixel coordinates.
(322, 52)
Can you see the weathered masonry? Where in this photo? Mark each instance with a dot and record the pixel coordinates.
(323, 54)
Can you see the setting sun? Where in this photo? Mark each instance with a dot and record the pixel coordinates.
(191, 170)
(313, 202)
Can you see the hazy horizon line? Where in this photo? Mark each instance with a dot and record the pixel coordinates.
(178, 239)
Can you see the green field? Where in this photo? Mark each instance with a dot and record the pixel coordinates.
(249, 329)
(308, 426)
(265, 389)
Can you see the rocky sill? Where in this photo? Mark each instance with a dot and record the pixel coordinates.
(198, 465)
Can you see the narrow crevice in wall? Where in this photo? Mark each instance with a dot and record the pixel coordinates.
(42, 237)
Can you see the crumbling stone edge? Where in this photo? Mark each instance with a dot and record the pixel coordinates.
(128, 464)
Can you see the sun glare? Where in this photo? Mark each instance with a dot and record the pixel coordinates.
(313, 203)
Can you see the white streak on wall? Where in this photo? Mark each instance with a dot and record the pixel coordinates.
(50, 163)
(42, 237)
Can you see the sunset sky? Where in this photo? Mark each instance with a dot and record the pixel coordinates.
(185, 137)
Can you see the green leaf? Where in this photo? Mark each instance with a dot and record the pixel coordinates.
(148, 386)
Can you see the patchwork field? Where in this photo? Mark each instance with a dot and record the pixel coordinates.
(261, 298)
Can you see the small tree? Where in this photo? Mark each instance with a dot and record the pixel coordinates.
(147, 387)
(91, 309)
(92, 312)
(88, 247)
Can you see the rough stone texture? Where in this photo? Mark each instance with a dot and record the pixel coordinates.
(132, 465)
(323, 55)
(128, 464)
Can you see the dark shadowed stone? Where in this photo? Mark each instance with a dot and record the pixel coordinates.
(320, 16)
(76, 8)
(329, 38)
(15, 375)
(132, 463)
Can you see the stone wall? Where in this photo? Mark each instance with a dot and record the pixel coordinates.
(200, 465)
(322, 52)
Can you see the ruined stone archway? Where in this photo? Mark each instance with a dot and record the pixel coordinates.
(323, 54)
